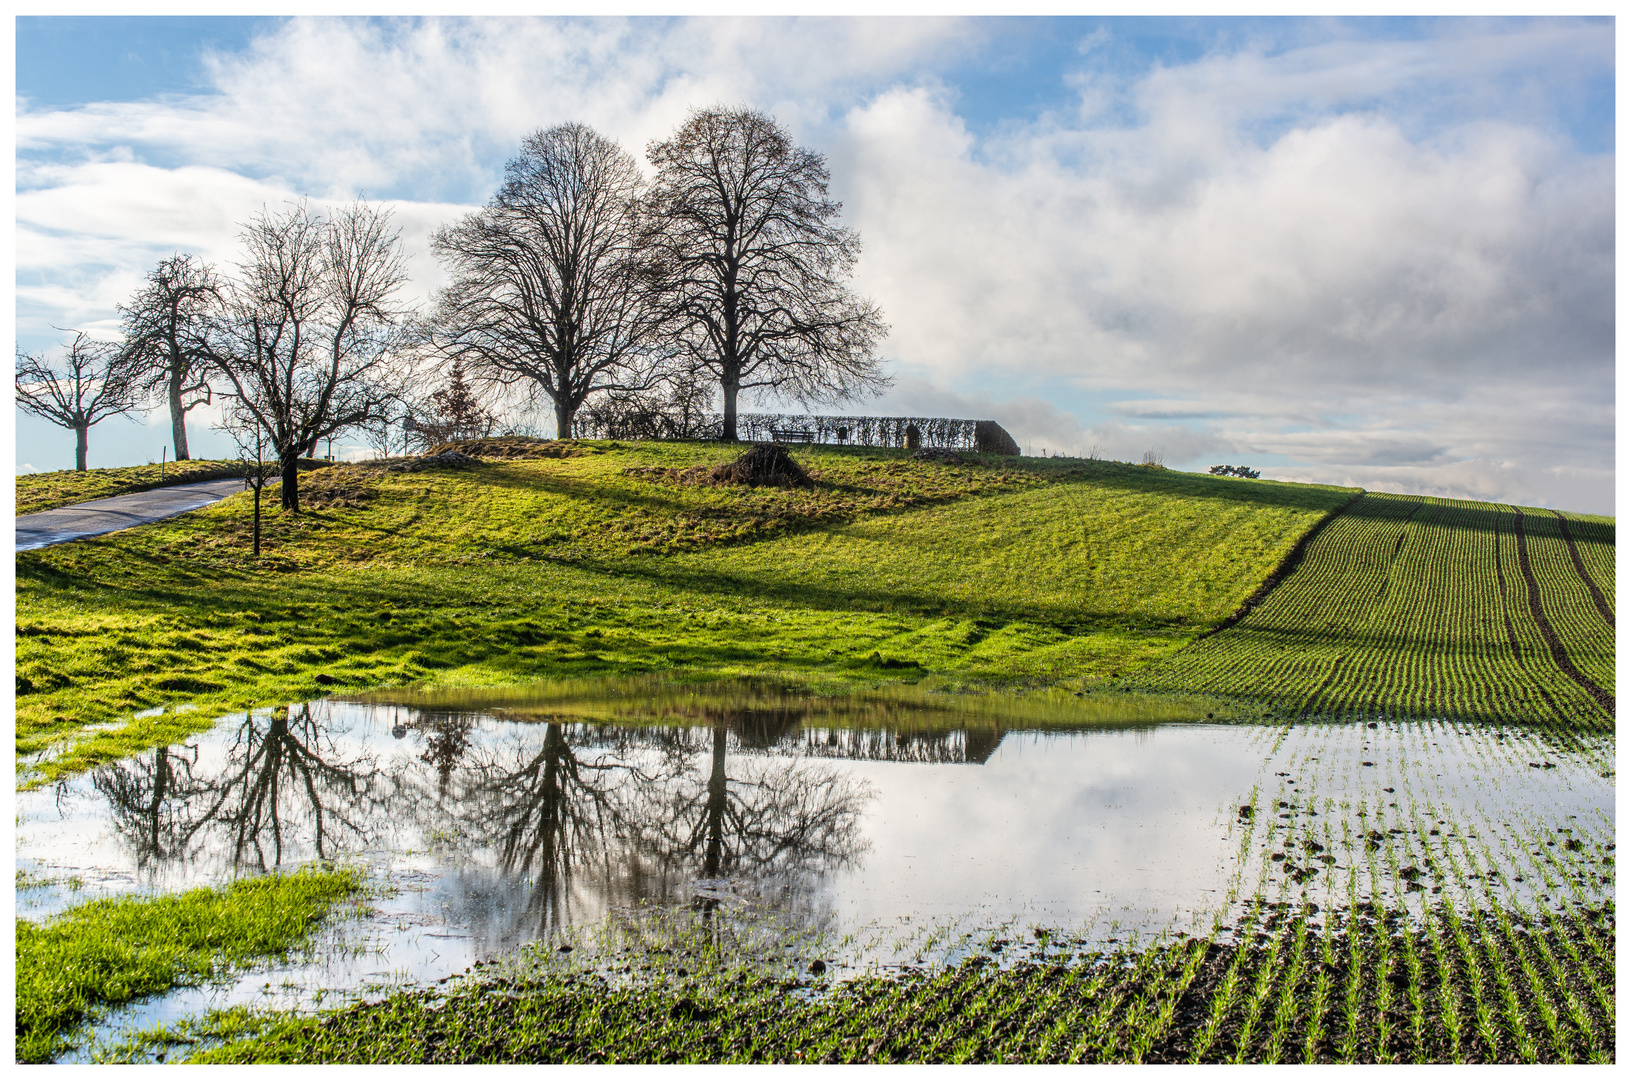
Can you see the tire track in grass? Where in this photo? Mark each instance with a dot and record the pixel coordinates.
(1580, 568)
(1512, 638)
(1560, 655)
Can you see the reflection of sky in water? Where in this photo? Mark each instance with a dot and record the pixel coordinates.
(494, 832)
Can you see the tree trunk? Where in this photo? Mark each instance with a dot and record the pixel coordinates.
(718, 795)
(564, 415)
(82, 434)
(258, 487)
(727, 430)
(178, 416)
(289, 463)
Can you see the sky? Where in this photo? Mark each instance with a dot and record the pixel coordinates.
(1374, 252)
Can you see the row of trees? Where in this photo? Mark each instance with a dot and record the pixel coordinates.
(578, 280)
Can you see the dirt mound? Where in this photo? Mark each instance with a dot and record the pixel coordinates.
(513, 447)
(339, 487)
(763, 464)
(447, 459)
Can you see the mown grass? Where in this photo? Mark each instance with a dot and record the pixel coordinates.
(109, 951)
(47, 491)
(1264, 996)
(613, 560)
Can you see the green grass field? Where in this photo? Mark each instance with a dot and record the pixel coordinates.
(1405, 606)
(999, 572)
(1112, 580)
(1367, 986)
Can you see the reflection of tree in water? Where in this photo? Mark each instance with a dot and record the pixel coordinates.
(447, 737)
(281, 793)
(277, 775)
(551, 813)
(623, 812)
(777, 820)
(150, 799)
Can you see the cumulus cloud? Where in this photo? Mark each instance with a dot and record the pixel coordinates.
(1344, 257)
(1377, 297)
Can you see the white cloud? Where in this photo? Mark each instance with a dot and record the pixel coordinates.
(1349, 258)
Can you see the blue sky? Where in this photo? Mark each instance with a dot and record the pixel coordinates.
(1374, 251)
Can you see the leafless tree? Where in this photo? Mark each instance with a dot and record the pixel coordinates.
(753, 265)
(257, 471)
(547, 284)
(167, 330)
(89, 384)
(314, 338)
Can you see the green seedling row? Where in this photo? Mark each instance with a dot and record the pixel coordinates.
(1185, 1001)
(1405, 606)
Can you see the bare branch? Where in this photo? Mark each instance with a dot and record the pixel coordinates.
(752, 266)
(314, 339)
(90, 383)
(548, 281)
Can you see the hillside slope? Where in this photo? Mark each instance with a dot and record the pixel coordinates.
(610, 559)
(1410, 606)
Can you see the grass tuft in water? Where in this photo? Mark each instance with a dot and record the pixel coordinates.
(109, 951)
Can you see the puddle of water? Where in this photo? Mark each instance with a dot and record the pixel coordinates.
(886, 826)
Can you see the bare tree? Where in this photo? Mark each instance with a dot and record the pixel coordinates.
(256, 470)
(315, 340)
(753, 265)
(89, 384)
(547, 280)
(167, 327)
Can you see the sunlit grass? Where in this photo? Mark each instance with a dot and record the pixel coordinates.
(997, 572)
(109, 951)
(46, 491)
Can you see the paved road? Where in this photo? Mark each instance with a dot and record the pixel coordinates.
(119, 512)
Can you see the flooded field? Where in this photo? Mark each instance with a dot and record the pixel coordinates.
(879, 830)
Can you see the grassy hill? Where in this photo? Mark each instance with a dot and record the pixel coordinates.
(47, 491)
(602, 559)
(617, 559)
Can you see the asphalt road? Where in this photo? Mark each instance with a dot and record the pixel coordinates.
(119, 512)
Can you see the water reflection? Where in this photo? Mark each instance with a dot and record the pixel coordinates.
(505, 817)
(147, 802)
(781, 823)
(282, 793)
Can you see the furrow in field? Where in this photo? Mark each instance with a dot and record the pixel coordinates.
(1414, 607)
(1554, 643)
(1580, 568)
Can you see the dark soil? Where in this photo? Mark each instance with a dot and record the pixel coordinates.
(763, 464)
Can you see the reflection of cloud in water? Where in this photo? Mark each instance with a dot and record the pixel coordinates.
(1060, 825)
(551, 823)
(533, 819)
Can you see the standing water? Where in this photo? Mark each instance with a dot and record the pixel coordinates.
(884, 826)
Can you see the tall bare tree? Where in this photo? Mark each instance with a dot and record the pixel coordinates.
(754, 266)
(547, 286)
(314, 337)
(166, 342)
(90, 383)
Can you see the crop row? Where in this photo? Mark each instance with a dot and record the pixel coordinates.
(1405, 606)
(1370, 986)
